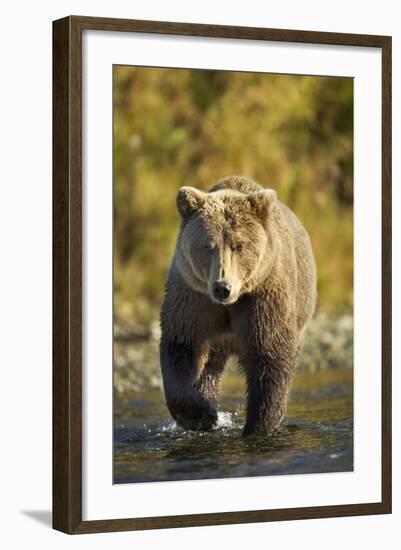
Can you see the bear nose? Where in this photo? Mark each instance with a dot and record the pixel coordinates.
(221, 290)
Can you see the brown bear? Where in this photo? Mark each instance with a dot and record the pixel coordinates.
(242, 282)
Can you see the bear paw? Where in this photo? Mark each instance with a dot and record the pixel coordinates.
(193, 413)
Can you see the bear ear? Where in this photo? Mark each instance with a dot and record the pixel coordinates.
(189, 200)
(261, 202)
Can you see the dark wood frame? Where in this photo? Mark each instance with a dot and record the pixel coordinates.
(67, 274)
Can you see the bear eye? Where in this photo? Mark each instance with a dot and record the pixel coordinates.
(208, 247)
(238, 248)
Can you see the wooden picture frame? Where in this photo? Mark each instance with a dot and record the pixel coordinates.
(67, 273)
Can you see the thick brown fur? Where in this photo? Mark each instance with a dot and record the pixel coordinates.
(241, 236)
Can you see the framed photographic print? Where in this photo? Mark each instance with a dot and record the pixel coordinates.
(221, 274)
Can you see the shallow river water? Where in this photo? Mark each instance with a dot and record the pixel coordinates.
(316, 435)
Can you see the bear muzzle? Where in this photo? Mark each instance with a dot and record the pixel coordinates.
(221, 291)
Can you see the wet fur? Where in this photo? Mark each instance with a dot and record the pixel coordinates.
(276, 276)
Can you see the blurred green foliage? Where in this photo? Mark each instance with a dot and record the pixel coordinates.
(176, 127)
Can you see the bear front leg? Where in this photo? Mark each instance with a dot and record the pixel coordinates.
(268, 384)
(208, 383)
(268, 341)
(189, 408)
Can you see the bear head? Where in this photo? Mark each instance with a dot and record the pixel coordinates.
(224, 243)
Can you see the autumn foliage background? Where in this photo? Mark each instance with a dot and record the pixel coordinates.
(175, 127)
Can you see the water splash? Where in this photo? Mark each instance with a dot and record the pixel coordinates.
(170, 427)
(225, 420)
